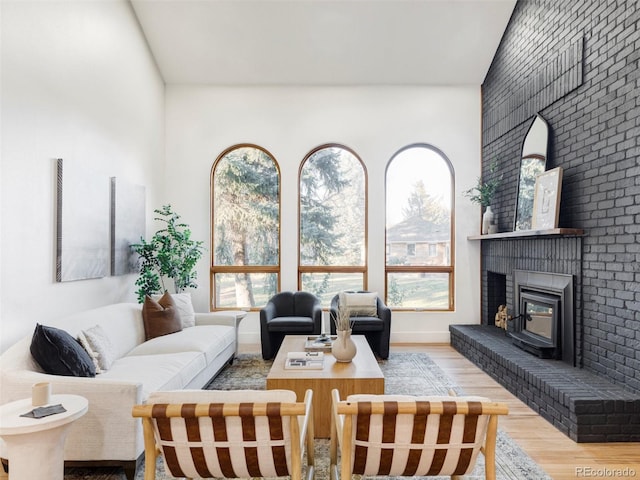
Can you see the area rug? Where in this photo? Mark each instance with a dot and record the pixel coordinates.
(405, 373)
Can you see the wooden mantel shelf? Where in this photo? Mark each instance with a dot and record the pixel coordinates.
(569, 232)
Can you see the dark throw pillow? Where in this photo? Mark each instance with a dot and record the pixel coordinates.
(58, 353)
(161, 317)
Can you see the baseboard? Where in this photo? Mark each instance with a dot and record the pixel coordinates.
(421, 337)
(401, 337)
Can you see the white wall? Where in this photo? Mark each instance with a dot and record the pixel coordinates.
(78, 82)
(375, 122)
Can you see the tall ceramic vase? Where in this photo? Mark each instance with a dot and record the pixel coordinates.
(343, 348)
(487, 219)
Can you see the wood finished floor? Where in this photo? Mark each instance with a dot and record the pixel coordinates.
(557, 454)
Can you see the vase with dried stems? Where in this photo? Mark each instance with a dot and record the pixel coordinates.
(343, 348)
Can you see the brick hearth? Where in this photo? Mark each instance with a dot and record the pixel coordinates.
(584, 406)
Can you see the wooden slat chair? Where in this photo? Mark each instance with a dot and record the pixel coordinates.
(400, 435)
(228, 434)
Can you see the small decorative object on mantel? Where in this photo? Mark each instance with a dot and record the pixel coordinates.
(483, 194)
(501, 317)
(546, 199)
(343, 348)
(487, 220)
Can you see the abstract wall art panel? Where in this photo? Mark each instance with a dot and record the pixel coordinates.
(127, 224)
(82, 218)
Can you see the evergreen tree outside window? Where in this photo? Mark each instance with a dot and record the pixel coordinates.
(245, 205)
(419, 268)
(333, 222)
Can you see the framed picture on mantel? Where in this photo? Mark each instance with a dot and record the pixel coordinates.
(546, 199)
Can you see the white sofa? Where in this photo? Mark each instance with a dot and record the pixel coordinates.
(108, 434)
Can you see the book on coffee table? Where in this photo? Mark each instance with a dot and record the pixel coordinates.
(319, 343)
(308, 360)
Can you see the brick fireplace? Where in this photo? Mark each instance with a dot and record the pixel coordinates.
(545, 262)
(584, 406)
(575, 64)
(580, 73)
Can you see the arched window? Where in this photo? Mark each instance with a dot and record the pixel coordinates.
(245, 210)
(333, 222)
(419, 230)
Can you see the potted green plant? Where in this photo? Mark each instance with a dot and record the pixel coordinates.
(482, 194)
(170, 254)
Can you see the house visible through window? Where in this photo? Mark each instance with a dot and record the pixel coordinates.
(419, 229)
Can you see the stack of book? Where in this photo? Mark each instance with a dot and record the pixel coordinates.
(320, 343)
(305, 360)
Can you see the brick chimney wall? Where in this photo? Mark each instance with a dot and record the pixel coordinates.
(576, 63)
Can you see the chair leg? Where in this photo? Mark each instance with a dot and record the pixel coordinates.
(333, 449)
(489, 450)
(266, 349)
(271, 347)
(310, 449)
(150, 450)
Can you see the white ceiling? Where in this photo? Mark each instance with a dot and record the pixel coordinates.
(323, 42)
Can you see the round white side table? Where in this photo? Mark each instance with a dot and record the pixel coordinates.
(35, 446)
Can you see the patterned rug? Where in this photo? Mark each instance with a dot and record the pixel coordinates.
(405, 373)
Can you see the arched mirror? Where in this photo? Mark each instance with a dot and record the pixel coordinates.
(532, 163)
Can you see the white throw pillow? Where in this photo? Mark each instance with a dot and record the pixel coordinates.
(92, 353)
(184, 306)
(361, 303)
(95, 341)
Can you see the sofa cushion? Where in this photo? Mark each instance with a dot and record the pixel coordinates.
(95, 340)
(360, 303)
(122, 323)
(160, 317)
(291, 324)
(58, 353)
(207, 339)
(168, 371)
(367, 324)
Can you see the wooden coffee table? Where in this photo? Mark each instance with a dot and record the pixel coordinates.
(361, 375)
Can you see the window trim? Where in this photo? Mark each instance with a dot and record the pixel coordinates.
(213, 269)
(450, 269)
(363, 269)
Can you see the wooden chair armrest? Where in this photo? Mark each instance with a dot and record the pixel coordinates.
(307, 427)
(336, 418)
